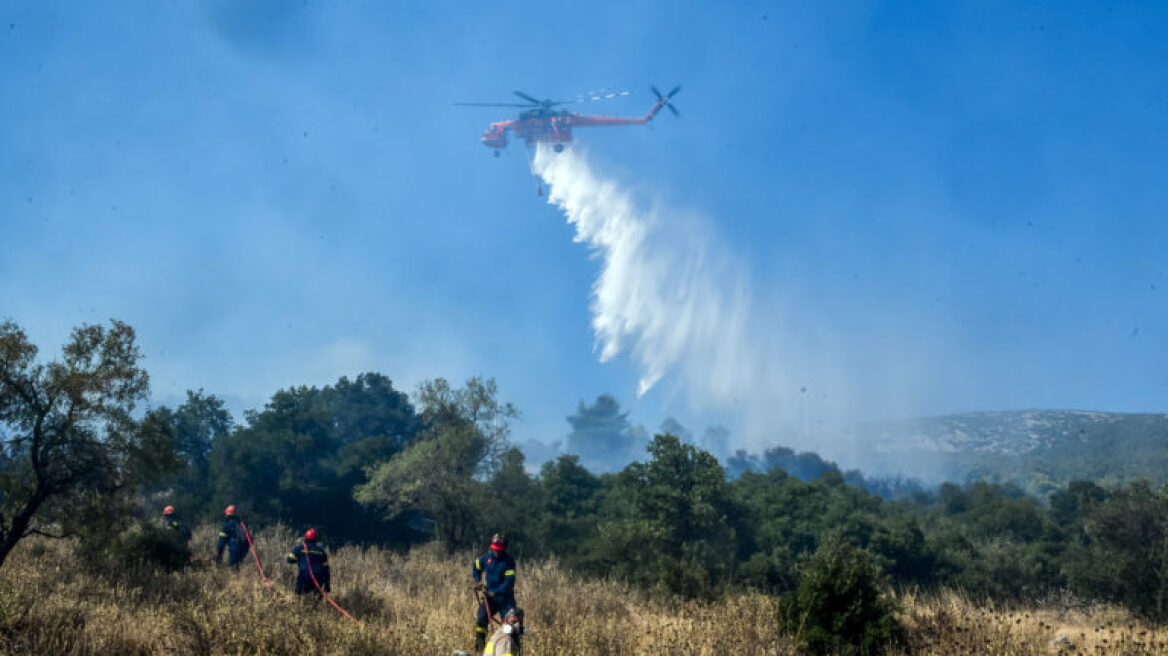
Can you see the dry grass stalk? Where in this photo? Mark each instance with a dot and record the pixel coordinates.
(420, 603)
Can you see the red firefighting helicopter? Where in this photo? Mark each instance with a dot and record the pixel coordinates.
(543, 124)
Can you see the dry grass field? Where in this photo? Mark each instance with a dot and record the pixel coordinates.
(421, 604)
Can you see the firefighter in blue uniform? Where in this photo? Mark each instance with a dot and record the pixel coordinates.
(308, 554)
(171, 520)
(230, 537)
(494, 574)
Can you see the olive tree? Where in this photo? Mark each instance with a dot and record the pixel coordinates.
(442, 473)
(66, 428)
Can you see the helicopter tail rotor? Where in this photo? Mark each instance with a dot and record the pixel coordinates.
(664, 100)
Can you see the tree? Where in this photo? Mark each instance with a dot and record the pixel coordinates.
(783, 518)
(669, 521)
(513, 504)
(840, 605)
(476, 405)
(1121, 551)
(742, 462)
(804, 466)
(67, 430)
(716, 440)
(996, 541)
(570, 489)
(1080, 497)
(671, 426)
(196, 425)
(463, 442)
(567, 523)
(602, 435)
(299, 458)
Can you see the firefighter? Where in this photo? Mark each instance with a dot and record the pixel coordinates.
(171, 520)
(313, 563)
(229, 537)
(507, 639)
(494, 575)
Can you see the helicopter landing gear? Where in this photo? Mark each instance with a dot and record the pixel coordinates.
(559, 148)
(496, 153)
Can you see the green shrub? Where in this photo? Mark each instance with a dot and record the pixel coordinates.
(154, 545)
(840, 605)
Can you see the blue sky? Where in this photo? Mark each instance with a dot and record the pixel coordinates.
(941, 207)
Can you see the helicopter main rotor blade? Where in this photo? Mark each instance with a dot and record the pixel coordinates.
(528, 98)
(492, 104)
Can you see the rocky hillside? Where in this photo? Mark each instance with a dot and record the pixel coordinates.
(1036, 449)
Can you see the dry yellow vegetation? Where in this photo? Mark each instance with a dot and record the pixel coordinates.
(421, 603)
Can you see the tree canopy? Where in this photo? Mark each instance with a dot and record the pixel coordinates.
(299, 458)
(462, 442)
(602, 435)
(361, 461)
(67, 432)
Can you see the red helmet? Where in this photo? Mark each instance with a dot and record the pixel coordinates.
(230, 510)
(498, 542)
(169, 510)
(310, 534)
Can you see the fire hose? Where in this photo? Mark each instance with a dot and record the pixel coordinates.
(319, 589)
(251, 547)
(485, 603)
(483, 599)
(308, 565)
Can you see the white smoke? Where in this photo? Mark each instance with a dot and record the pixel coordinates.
(667, 292)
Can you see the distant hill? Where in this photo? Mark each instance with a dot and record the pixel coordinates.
(1035, 449)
